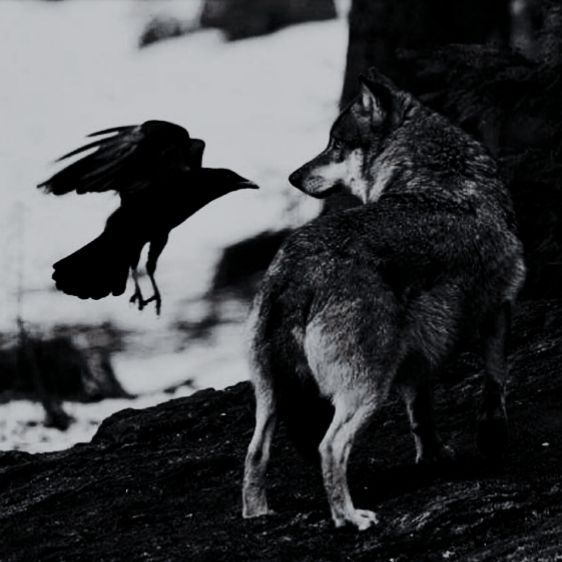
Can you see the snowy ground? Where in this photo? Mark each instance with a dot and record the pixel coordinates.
(262, 105)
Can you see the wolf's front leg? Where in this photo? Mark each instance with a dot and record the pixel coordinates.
(492, 423)
(254, 498)
(334, 453)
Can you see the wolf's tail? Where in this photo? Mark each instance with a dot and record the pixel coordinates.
(279, 360)
(96, 270)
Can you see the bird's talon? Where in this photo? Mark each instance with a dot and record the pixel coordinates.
(137, 298)
(157, 300)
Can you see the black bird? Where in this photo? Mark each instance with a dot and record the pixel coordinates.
(157, 170)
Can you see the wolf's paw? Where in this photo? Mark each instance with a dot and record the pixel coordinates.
(362, 519)
(492, 437)
(256, 510)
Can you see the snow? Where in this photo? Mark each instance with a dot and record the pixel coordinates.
(262, 105)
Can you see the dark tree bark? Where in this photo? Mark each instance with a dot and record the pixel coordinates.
(379, 29)
(536, 30)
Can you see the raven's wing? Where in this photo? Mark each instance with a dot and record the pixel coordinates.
(128, 159)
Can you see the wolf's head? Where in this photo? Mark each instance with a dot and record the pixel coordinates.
(357, 137)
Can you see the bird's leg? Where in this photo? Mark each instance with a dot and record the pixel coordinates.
(156, 296)
(137, 295)
(154, 251)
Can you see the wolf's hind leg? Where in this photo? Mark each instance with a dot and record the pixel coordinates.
(352, 412)
(254, 498)
(492, 422)
(415, 387)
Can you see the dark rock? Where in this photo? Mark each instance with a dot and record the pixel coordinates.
(240, 19)
(165, 27)
(164, 483)
(73, 362)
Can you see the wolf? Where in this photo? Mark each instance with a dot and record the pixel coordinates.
(379, 296)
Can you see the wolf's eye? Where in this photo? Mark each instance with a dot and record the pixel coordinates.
(337, 144)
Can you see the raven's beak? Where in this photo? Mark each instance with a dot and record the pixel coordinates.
(247, 184)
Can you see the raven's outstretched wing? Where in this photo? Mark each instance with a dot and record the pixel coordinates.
(128, 159)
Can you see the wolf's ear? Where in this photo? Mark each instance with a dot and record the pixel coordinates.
(376, 99)
(377, 77)
(382, 98)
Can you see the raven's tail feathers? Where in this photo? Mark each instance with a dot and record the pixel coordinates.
(96, 270)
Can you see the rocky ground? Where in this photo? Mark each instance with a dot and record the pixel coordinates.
(164, 483)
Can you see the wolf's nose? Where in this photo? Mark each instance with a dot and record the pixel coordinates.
(295, 178)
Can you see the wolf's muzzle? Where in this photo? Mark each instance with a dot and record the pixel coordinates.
(296, 179)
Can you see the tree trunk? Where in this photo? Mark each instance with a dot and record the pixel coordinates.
(380, 29)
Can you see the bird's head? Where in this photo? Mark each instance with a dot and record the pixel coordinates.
(222, 180)
(164, 130)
